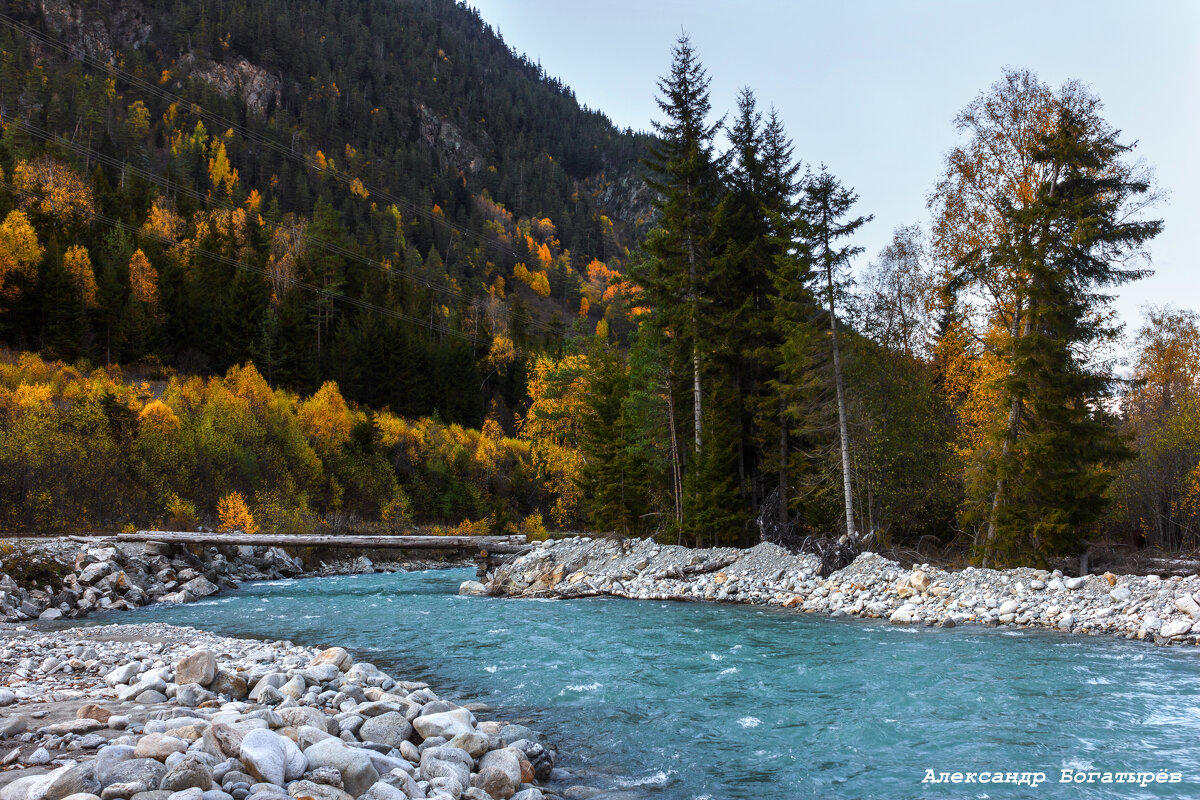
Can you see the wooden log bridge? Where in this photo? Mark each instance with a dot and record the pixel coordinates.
(485, 545)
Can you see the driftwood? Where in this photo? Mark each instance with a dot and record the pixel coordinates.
(492, 544)
(833, 552)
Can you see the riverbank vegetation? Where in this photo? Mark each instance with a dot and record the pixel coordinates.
(84, 450)
(349, 306)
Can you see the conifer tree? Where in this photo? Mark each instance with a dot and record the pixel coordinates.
(1048, 472)
(674, 279)
(686, 177)
(824, 206)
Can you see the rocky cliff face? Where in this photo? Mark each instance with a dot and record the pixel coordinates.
(127, 26)
(239, 77)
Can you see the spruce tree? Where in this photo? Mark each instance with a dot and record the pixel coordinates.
(686, 178)
(824, 206)
(1049, 469)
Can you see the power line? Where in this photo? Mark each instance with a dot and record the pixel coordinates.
(284, 150)
(242, 265)
(331, 247)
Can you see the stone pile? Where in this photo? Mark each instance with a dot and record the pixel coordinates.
(1162, 610)
(185, 715)
(120, 577)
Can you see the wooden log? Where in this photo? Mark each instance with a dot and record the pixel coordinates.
(491, 543)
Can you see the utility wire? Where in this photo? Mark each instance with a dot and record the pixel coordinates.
(220, 121)
(242, 265)
(169, 186)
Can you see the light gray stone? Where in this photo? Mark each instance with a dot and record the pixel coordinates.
(263, 753)
(337, 656)
(355, 766)
(147, 771)
(390, 729)
(192, 694)
(1176, 628)
(441, 762)
(446, 723)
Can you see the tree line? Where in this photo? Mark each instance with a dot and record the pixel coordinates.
(294, 183)
(725, 367)
(964, 388)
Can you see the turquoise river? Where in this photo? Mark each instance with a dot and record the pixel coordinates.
(687, 701)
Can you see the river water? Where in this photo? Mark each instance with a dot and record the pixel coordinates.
(685, 700)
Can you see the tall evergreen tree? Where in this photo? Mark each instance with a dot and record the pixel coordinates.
(824, 206)
(1048, 473)
(686, 177)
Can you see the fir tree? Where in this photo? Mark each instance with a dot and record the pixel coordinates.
(824, 205)
(1048, 474)
(674, 279)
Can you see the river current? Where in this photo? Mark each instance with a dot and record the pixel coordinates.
(689, 701)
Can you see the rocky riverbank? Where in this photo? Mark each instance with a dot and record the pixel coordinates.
(156, 712)
(1162, 610)
(71, 580)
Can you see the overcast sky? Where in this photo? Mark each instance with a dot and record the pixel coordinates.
(871, 88)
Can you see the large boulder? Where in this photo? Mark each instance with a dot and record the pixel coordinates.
(200, 667)
(122, 674)
(222, 740)
(336, 656)
(355, 766)
(500, 772)
(322, 673)
(24, 787)
(447, 724)
(443, 762)
(200, 587)
(192, 695)
(390, 729)
(365, 673)
(109, 757)
(158, 746)
(294, 688)
(272, 680)
(79, 779)
(299, 716)
(189, 773)
(146, 771)
(474, 743)
(230, 684)
(272, 758)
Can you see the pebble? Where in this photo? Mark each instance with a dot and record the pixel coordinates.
(1162, 610)
(164, 714)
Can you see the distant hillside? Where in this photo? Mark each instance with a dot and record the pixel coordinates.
(359, 190)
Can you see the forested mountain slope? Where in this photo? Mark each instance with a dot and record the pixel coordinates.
(381, 193)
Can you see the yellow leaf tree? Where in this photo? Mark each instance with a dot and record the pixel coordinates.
(143, 278)
(20, 251)
(54, 190)
(235, 514)
(78, 265)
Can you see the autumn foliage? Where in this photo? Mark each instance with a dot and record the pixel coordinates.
(235, 515)
(105, 448)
